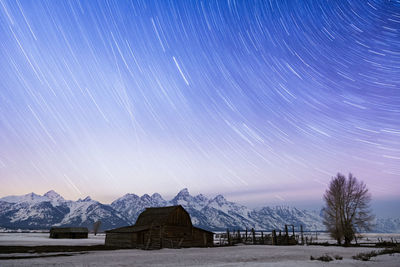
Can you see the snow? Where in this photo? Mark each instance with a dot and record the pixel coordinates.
(218, 256)
(77, 209)
(31, 197)
(53, 195)
(42, 239)
(240, 255)
(365, 237)
(54, 198)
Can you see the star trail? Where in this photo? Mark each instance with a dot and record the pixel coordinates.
(260, 100)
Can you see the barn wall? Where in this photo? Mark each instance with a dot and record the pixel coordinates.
(178, 236)
(68, 235)
(161, 237)
(175, 236)
(202, 238)
(122, 240)
(149, 239)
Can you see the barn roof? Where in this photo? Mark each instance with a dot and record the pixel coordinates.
(69, 229)
(151, 217)
(156, 216)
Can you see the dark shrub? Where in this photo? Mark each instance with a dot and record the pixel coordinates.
(337, 257)
(365, 256)
(322, 258)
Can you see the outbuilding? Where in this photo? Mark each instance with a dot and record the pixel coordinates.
(155, 228)
(69, 232)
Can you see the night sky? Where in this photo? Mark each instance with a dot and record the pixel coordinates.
(262, 101)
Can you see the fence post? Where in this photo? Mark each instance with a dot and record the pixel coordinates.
(274, 241)
(254, 235)
(228, 236)
(286, 235)
(262, 237)
(239, 237)
(301, 232)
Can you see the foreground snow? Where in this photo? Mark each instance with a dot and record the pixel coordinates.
(365, 237)
(217, 256)
(42, 239)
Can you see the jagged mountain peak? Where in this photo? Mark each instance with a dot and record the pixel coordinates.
(183, 193)
(53, 195)
(29, 198)
(220, 199)
(145, 197)
(201, 197)
(157, 196)
(182, 198)
(128, 196)
(87, 199)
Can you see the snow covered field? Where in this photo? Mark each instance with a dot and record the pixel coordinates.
(365, 237)
(42, 239)
(218, 256)
(241, 255)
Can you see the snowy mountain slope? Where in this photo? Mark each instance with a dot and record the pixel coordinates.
(131, 205)
(236, 216)
(54, 198)
(187, 201)
(389, 225)
(217, 213)
(278, 216)
(31, 198)
(34, 215)
(32, 211)
(86, 212)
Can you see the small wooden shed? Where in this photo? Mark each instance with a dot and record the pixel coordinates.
(155, 228)
(69, 232)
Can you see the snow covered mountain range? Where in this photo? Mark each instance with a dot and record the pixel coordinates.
(33, 211)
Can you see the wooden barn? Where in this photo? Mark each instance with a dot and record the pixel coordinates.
(155, 228)
(69, 232)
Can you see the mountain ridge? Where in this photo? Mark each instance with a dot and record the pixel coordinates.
(32, 211)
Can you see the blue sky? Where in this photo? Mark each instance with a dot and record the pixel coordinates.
(263, 101)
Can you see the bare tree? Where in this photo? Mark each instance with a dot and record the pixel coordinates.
(96, 227)
(347, 210)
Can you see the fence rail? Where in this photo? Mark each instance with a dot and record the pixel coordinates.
(296, 236)
(258, 237)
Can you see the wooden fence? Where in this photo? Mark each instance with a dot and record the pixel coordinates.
(259, 237)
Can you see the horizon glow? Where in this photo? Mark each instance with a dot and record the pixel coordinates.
(261, 101)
